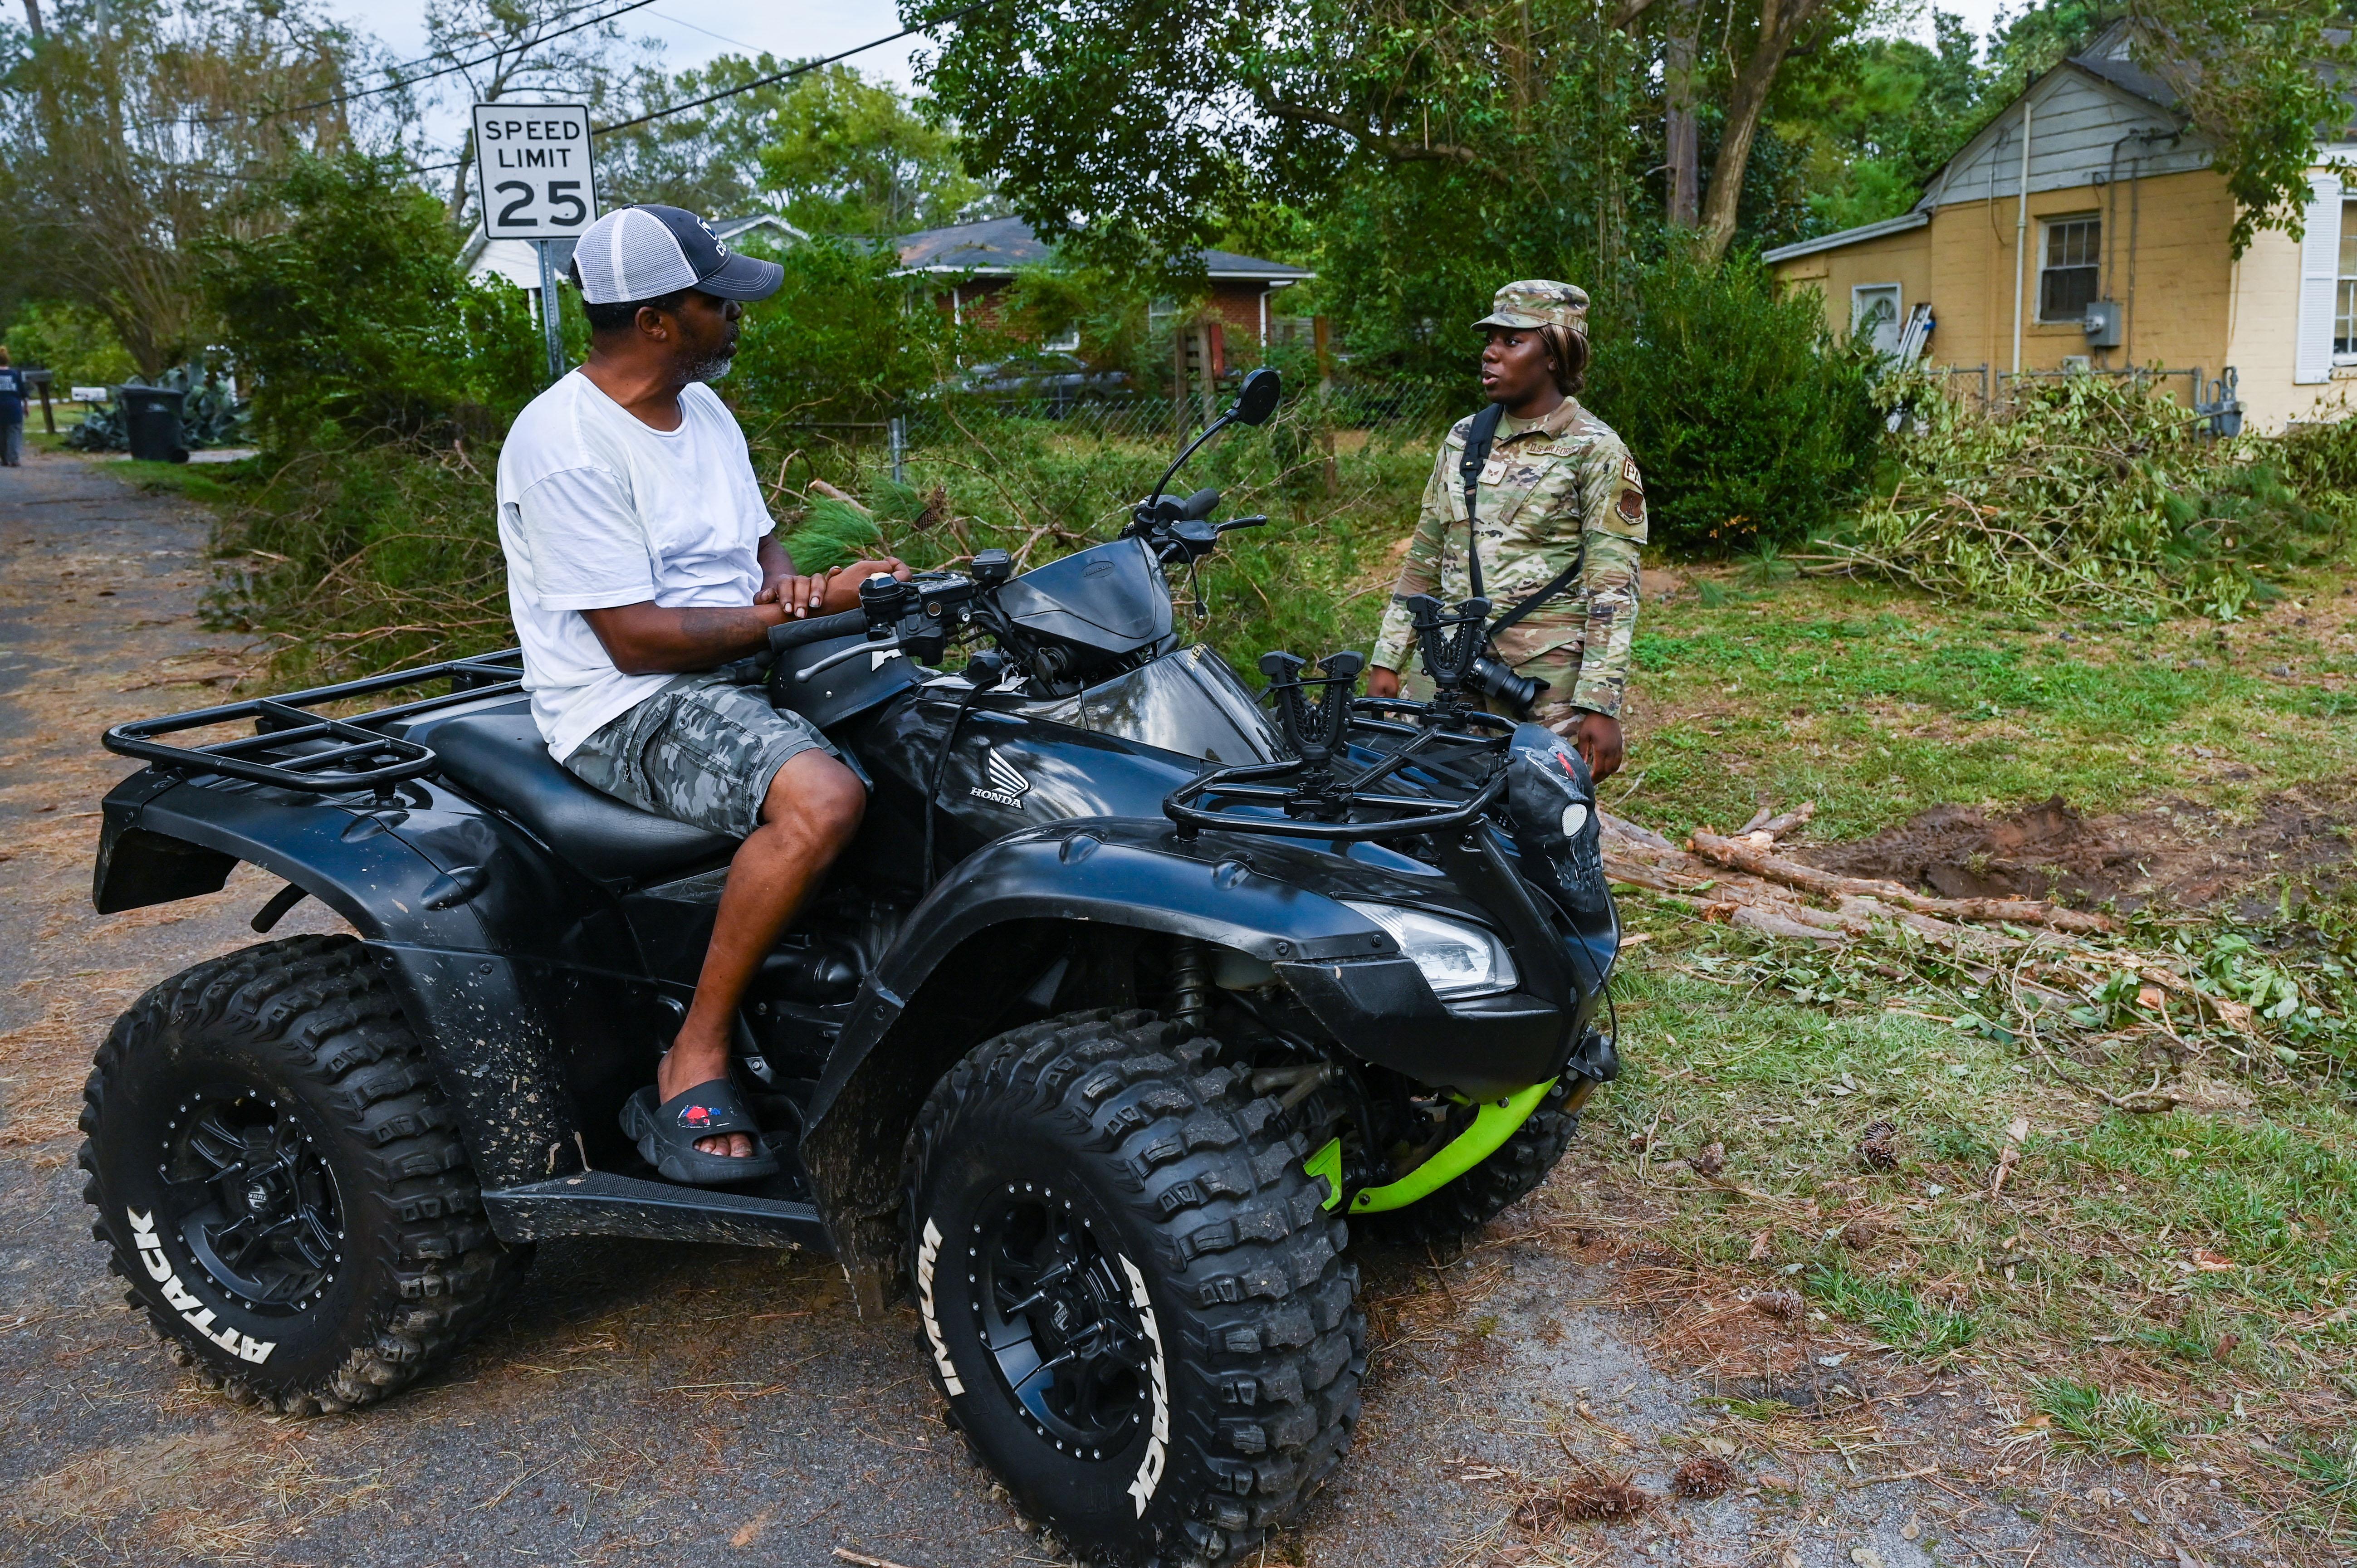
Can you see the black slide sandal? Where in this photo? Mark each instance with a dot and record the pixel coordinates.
(666, 1135)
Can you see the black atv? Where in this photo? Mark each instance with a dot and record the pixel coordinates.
(1129, 991)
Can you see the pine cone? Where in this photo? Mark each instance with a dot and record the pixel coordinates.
(1859, 1234)
(1705, 1476)
(937, 508)
(1879, 1148)
(1783, 1305)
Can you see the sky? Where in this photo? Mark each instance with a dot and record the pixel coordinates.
(692, 31)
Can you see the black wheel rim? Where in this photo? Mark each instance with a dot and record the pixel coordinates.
(1054, 1309)
(249, 1194)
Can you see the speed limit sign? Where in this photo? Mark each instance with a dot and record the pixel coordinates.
(532, 160)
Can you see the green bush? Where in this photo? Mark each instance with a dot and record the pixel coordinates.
(841, 340)
(1751, 424)
(363, 557)
(73, 340)
(354, 320)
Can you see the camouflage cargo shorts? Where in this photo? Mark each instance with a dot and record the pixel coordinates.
(700, 750)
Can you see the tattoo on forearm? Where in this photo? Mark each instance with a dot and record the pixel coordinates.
(714, 636)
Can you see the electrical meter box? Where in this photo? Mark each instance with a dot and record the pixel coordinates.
(2101, 324)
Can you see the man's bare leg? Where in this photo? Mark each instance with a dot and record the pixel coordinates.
(811, 812)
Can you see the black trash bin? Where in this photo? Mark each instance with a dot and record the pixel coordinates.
(151, 420)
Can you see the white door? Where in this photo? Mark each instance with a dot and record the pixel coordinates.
(1874, 316)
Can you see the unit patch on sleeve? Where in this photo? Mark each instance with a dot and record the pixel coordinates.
(1632, 491)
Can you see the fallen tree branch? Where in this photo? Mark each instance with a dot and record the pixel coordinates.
(1761, 863)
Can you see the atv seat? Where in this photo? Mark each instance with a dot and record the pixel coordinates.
(499, 757)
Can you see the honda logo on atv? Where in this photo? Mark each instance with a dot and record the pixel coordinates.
(1003, 784)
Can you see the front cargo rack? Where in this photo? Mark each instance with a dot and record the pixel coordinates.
(1317, 799)
(291, 748)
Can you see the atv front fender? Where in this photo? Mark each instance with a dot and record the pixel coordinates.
(980, 937)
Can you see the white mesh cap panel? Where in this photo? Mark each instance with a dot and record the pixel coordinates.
(629, 255)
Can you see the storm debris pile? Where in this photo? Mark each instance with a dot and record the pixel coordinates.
(2062, 971)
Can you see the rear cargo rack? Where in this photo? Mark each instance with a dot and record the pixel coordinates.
(294, 749)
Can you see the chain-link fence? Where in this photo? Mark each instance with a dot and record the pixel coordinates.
(1402, 410)
(1983, 382)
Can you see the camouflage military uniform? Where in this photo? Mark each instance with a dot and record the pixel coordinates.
(1550, 484)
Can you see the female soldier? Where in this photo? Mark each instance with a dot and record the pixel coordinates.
(1558, 488)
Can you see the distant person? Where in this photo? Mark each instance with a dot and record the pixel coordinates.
(12, 413)
(1559, 488)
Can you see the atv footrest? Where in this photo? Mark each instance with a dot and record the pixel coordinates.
(599, 1203)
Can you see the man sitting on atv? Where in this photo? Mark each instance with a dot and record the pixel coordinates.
(640, 557)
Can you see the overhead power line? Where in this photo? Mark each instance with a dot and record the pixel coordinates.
(343, 98)
(770, 81)
(802, 70)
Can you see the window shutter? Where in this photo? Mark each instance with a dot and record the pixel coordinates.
(2320, 272)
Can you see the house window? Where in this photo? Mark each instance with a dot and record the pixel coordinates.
(2070, 270)
(1068, 342)
(1874, 316)
(2344, 300)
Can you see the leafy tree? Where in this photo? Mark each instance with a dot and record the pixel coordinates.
(126, 126)
(705, 159)
(73, 340)
(1872, 119)
(844, 156)
(841, 340)
(2264, 85)
(354, 318)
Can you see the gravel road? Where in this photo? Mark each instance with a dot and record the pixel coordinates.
(645, 1403)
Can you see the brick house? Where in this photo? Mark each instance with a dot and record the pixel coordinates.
(977, 261)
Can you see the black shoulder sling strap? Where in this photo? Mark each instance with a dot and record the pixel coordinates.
(1479, 438)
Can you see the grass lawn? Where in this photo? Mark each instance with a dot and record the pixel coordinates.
(1877, 703)
(2173, 1286)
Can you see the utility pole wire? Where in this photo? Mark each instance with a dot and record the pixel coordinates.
(958, 15)
(344, 98)
(771, 80)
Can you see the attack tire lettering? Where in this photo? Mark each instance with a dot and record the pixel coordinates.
(926, 1256)
(194, 1313)
(1149, 1469)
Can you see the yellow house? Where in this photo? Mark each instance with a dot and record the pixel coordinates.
(2084, 228)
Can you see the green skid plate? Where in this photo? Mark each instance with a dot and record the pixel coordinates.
(1492, 1126)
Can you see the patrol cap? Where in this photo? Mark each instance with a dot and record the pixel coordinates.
(1538, 301)
(645, 253)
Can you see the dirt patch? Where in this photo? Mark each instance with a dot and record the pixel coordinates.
(2177, 852)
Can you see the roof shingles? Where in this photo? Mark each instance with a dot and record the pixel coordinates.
(999, 246)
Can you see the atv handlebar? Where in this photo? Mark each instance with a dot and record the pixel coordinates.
(817, 629)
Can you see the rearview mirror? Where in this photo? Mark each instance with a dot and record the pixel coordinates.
(1258, 399)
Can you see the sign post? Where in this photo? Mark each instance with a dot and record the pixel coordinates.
(534, 179)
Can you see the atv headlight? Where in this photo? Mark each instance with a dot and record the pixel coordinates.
(1456, 959)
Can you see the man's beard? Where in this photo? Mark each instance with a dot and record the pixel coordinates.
(712, 368)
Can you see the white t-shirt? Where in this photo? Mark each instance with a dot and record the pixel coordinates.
(598, 509)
